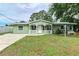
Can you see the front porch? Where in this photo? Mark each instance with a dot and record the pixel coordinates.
(40, 29)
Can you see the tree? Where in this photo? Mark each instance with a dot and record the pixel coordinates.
(40, 15)
(64, 11)
(34, 16)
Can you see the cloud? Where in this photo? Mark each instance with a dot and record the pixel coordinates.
(28, 8)
(27, 5)
(32, 7)
(21, 11)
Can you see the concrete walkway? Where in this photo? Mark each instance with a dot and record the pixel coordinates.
(8, 39)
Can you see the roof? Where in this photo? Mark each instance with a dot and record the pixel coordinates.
(54, 23)
(18, 24)
(25, 23)
(64, 23)
(41, 20)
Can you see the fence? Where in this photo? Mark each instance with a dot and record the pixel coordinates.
(5, 29)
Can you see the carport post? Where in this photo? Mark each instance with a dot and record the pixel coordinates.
(65, 32)
(51, 29)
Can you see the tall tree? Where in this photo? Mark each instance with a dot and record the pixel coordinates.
(40, 15)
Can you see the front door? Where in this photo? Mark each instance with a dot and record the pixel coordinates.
(39, 29)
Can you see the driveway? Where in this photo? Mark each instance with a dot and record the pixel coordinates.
(8, 39)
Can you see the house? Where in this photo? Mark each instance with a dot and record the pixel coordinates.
(41, 27)
(33, 27)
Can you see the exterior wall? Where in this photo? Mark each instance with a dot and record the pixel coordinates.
(43, 32)
(24, 31)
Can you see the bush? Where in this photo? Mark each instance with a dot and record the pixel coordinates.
(58, 31)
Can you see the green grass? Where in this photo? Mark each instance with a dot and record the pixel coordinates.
(46, 45)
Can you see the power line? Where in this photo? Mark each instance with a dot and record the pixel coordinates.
(14, 20)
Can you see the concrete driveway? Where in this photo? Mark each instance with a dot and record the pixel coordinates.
(8, 39)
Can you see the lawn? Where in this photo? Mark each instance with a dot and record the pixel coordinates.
(45, 45)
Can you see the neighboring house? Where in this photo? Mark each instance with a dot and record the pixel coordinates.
(41, 27)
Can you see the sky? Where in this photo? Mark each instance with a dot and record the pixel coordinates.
(19, 11)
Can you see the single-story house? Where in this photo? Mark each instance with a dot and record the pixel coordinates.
(33, 27)
(41, 27)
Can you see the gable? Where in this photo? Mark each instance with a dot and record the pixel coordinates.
(40, 22)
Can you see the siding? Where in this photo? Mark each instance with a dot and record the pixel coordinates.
(24, 31)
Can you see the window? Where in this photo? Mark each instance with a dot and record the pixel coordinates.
(33, 27)
(62, 27)
(20, 27)
(48, 27)
(70, 27)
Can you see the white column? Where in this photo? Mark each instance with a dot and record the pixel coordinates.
(36, 28)
(72, 27)
(29, 28)
(44, 29)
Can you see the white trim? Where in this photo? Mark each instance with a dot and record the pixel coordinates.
(66, 23)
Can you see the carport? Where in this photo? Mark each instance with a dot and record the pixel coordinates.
(67, 27)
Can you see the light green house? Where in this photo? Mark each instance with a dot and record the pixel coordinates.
(41, 27)
(33, 27)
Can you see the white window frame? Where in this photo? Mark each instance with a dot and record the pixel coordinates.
(20, 27)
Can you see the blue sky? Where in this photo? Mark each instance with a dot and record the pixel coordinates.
(20, 11)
